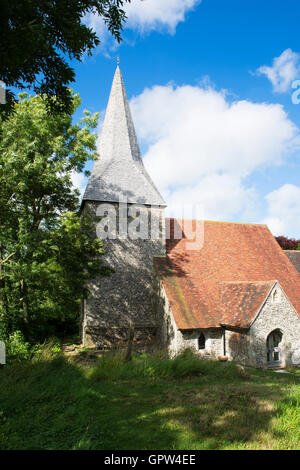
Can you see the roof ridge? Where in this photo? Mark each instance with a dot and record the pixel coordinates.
(219, 222)
(272, 281)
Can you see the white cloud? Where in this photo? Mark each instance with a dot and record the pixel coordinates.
(284, 70)
(144, 16)
(283, 215)
(201, 147)
(219, 197)
(107, 42)
(79, 182)
(150, 15)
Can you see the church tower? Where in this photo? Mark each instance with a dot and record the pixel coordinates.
(129, 217)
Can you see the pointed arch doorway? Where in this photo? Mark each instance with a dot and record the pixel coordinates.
(274, 353)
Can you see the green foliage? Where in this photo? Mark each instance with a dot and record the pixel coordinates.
(51, 402)
(46, 249)
(112, 367)
(288, 243)
(20, 351)
(288, 413)
(38, 40)
(17, 349)
(49, 350)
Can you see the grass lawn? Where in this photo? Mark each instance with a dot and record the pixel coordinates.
(150, 403)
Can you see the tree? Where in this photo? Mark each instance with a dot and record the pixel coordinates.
(47, 253)
(38, 38)
(288, 243)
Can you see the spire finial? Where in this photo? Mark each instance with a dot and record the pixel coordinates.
(118, 61)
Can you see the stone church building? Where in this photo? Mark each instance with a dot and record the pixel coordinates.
(235, 296)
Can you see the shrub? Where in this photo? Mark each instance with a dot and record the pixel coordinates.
(288, 243)
(17, 349)
(48, 351)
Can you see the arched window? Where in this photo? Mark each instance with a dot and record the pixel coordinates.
(201, 341)
(273, 346)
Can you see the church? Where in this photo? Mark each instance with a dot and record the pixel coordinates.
(234, 296)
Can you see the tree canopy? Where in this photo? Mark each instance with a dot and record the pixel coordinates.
(38, 39)
(288, 243)
(46, 251)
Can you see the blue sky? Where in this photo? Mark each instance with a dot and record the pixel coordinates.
(210, 84)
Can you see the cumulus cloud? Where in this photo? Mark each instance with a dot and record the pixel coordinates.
(79, 182)
(215, 196)
(148, 15)
(285, 69)
(283, 214)
(107, 42)
(145, 16)
(202, 147)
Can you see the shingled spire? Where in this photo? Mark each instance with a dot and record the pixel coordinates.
(119, 172)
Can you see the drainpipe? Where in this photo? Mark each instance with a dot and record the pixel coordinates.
(223, 358)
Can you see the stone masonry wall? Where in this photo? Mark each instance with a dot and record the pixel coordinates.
(276, 314)
(127, 294)
(250, 347)
(175, 340)
(238, 346)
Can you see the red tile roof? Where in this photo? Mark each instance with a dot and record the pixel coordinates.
(241, 301)
(231, 253)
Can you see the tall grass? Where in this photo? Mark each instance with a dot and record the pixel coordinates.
(288, 415)
(156, 366)
(56, 402)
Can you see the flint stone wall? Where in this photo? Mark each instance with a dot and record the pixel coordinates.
(276, 314)
(127, 294)
(174, 340)
(247, 347)
(237, 347)
(250, 348)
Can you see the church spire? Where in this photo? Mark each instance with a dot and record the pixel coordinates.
(119, 172)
